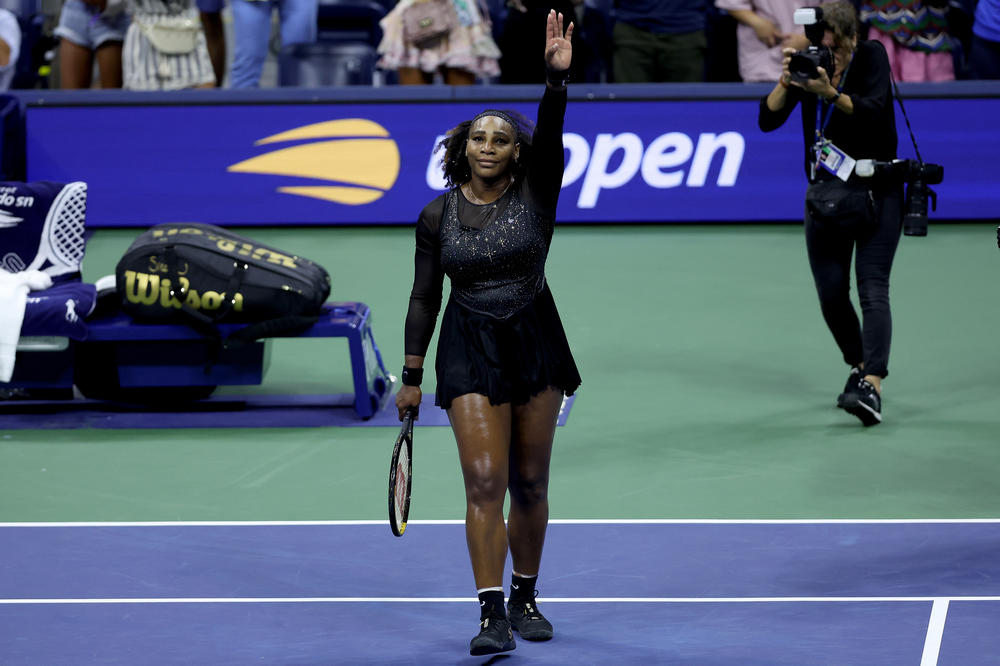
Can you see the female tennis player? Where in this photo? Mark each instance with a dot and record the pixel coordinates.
(503, 363)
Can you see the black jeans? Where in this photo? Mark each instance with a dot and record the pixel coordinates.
(830, 246)
(984, 57)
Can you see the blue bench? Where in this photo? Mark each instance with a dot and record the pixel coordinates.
(129, 357)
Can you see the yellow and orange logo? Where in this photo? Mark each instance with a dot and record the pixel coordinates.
(356, 154)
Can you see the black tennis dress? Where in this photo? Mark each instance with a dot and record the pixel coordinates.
(501, 335)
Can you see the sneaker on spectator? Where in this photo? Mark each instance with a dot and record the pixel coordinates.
(865, 403)
(528, 621)
(494, 636)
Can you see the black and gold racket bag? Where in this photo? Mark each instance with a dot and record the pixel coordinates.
(203, 275)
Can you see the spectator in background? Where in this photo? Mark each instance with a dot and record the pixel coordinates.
(298, 20)
(659, 40)
(165, 47)
(523, 30)
(210, 13)
(915, 35)
(721, 57)
(10, 47)
(985, 54)
(460, 56)
(88, 28)
(765, 27)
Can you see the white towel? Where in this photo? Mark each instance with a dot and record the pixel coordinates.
(14, 288)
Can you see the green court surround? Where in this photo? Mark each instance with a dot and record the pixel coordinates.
(709, 387)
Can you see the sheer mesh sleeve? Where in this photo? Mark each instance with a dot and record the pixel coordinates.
(428, 280)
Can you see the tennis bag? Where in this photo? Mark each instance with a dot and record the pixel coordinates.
(203, 275)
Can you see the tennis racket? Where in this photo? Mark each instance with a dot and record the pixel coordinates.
(400, 474)
(62, 242)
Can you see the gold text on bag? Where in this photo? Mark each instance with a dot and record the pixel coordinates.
(145, 289)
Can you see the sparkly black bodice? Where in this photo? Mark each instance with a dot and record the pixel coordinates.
(498, 269)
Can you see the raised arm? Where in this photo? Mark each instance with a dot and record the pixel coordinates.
(546, 167)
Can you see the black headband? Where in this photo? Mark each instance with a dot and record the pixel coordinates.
(499, 114)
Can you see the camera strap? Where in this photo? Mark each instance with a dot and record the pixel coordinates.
(902, 108)
(825, 153)
(824, 110)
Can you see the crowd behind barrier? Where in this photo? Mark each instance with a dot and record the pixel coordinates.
(625, 159)
(657, 153)
(160, 45)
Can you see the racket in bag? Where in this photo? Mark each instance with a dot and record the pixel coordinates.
(202, 275)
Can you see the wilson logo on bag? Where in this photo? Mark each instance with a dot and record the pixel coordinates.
(202, 274)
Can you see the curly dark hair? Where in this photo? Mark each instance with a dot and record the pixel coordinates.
(455, 164)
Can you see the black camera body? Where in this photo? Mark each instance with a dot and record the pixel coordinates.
(918, 177)
(803, 64)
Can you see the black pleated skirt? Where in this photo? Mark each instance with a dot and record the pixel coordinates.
(507, 360)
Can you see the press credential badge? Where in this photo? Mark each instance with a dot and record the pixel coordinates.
(834, 160)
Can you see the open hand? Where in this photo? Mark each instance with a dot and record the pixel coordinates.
(558, 46)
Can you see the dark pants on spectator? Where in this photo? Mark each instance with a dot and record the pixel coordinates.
(523, 36)
(648, 57)
(830, 247)
(985, 58)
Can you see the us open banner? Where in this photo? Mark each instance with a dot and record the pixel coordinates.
(656, 159)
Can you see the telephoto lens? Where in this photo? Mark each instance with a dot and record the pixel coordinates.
(915, 218)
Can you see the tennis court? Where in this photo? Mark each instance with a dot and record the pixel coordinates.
(710, 505)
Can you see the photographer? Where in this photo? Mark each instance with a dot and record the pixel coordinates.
(847, 115)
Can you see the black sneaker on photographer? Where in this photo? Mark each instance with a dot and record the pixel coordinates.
(850, 387)
(865, 403)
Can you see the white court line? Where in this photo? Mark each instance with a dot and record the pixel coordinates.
(935, 630)
(555, 521)
(565, 600)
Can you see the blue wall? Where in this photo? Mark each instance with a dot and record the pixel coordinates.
(647, 153)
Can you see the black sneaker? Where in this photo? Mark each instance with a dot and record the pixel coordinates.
(530, 624)
(494, 636)
(865, 403)
(850, 387)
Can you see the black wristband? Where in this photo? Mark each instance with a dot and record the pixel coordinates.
(557, 78)
(412, 376)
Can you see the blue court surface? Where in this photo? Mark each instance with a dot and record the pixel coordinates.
(620, 592)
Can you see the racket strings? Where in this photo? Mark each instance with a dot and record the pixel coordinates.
(402, 482)
(399, 477)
